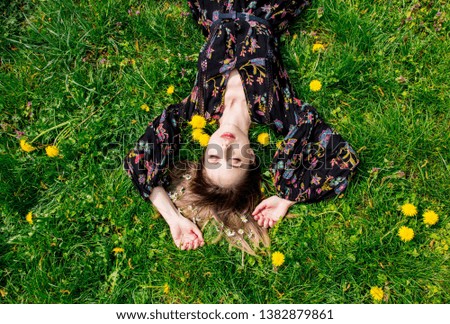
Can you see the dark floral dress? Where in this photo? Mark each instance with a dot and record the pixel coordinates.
(313, 161)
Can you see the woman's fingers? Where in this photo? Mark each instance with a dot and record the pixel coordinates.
(197, 232)
(260, 207)
(178, 243)
(192, 244)
(261, 221)
(196, 244)
(185, 246)
(264, 220)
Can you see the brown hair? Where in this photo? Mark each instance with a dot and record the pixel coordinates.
(200, 200)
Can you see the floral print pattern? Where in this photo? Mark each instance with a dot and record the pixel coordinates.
(313, 162)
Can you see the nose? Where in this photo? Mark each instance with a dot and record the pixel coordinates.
(226, 148)
(225, 143)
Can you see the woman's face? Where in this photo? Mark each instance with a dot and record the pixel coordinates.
(228, 156)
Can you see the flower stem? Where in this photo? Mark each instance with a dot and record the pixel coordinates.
(329, 211)
(50, 129)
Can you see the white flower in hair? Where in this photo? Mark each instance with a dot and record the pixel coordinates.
(229, 232)
(244, 219)
(240, 231)
(173, 195)
(187, 176)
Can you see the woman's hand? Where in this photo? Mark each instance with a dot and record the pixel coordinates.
(270, 210)
(186, 234)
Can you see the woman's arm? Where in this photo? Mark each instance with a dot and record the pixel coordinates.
(147, 162)
(313, 162)
(186, 234)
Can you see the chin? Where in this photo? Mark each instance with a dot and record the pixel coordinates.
(230, 128)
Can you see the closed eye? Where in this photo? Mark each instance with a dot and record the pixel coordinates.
(236, 162)
(213, 158)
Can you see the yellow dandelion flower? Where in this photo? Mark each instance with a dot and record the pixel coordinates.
(29, 217)
(145, 107)
(213, 122)
(409, 210)
(406, 234)
(262, 189)
(317, 47)
(279, 143)
(166, 288)
(315, 85)
(170, 90)
(198, 121)
(27, 147)
(197, 133)
(377, 293)
(204, 140)
(430, 217)
(277, 258)
(118, 250)
(263, 139)
(294, 37)
(52, 151)
(3, 293)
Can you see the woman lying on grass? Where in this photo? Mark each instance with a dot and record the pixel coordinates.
(241, 80)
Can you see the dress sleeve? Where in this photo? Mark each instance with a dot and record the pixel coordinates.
(286, 12)
(313, 161)
(197, 14)
(147, 162)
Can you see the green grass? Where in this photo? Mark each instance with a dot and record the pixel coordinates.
(86, 67)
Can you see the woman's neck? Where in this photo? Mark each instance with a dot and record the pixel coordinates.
(235, 111)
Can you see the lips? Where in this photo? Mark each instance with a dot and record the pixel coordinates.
(228, 136)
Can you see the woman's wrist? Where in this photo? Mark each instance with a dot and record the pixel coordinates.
(288, 202)
(171, 216)
(285, 201)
